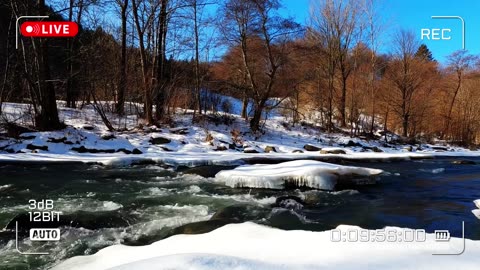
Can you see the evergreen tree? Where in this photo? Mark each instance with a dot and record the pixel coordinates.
(424, 53)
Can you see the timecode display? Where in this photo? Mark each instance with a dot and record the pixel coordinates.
(381, 235)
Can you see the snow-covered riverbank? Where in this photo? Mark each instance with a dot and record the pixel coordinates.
(251, 246)
(85, 139)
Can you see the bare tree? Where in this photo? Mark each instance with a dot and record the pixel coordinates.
(274, 33)
(238, 24)
(71, 89)
(36, 71)
(195, 7)
(323, 32)
(143, 17)
(195, 12)
(405, 76)
(373, 31)
(122, 80)
(160, 70)
(339, 26)
(458, 62)
(48, 117)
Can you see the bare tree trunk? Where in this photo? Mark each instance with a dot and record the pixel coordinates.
(343, 102)
(100, 110)
(372, 92)
(143, 59)
(122, 82)
(331, 90)
(385, 125)
(47, 119)
(405, 126)
(72, 92)
(197, 60)
(257, 116)
(404, 104)
(245, 106)
(320, 97)
(69, 95)
(7, 64)
(371, 82)
(450, 108)
(161, 65)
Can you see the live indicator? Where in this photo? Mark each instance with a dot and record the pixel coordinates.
(49, 29)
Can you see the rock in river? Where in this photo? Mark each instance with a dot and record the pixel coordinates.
(159, 140)
(464, 162)
(240, 213)
(289, 202)
(333, 151)
(269, 149)
(250, 150)
(311, 148)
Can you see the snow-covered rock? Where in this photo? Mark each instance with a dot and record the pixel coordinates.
(250, 246)
(311, 148)
(476, 212)
(310, 173)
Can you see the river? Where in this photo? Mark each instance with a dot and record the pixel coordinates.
(138, 205)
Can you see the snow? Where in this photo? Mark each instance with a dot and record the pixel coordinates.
(190, 148)
(476, 212)
(253, 246)
(234, 105)
(310, 173)
(477, 203)
(200, 262)
(194, 158)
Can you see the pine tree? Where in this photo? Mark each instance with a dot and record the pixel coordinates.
(424, 53)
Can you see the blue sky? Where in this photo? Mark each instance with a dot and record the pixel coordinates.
(415, 15)
(406, 14)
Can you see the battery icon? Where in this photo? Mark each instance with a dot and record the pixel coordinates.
(442, 235)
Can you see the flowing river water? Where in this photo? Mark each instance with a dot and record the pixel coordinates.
(138, 205)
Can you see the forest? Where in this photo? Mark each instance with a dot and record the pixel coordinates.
(154, 57)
